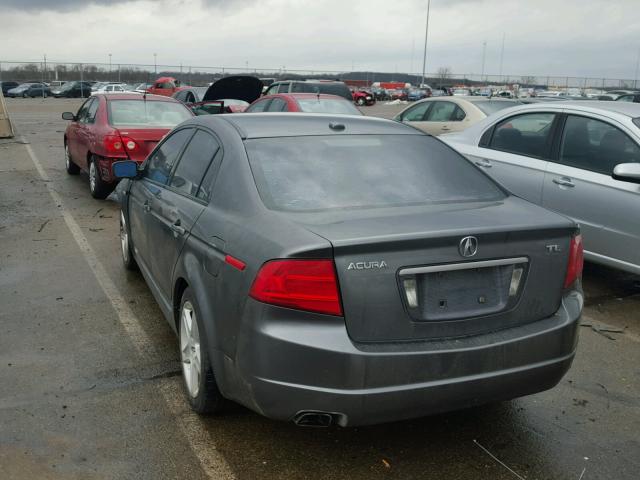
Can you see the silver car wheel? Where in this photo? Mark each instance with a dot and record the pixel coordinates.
(124, 239)
(190, 349)
(67, 158)
(92, 176)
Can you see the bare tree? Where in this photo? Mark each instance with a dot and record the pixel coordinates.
(528, 80)
(444, 74)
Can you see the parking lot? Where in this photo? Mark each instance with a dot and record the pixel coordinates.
(91, 383)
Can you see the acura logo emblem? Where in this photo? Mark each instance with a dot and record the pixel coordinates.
(468, 246)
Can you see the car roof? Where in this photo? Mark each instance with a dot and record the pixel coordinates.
(627, 109)
(136, 96)
(261, 125)
(306, 95)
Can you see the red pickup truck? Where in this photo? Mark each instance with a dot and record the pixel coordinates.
(166, 86)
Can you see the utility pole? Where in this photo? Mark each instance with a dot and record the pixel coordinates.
(502, 54)
(109, 67)
(635, 82)
(426, 38)
(44, 70)
(484, 55)
(155, 63)
(413, 48)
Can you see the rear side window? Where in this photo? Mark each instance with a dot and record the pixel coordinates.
(277, 105)
(528, 134)
(594, 145)
(363, 171)
(441, 112)
(259, 106)
(163, 158)
(194, 163)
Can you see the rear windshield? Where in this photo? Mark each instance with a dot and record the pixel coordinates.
(331, 88)
(327, 105)
(319, 173)
(146, 113)
(488, 107)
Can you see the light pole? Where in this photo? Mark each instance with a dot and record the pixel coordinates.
(502, 54)
(635, 82)
(155, 63)
(426, 37)
(109, 66)
(484, 54)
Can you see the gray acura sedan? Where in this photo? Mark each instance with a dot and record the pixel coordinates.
(337, 269)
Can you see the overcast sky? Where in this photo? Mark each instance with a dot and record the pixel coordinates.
(596, 38)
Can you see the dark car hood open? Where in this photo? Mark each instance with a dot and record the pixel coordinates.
(240, 87)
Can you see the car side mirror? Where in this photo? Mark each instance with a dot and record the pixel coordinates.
(627, 172)
(125, 169)
(69, 116)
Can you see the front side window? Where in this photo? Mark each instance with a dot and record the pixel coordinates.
(161, 162)
(283, 88)
(319, 173)
(528, 134)
(82, 113)
(595, 145)
(92, 110)
(416, 113)
(625, 98)
(272, 89)
(194, 163)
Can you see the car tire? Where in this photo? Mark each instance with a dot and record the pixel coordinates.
(99, 188)
(72, 168)
(198, 378)
(360, 101)
(125, 245)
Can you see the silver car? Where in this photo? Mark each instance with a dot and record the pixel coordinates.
(581, 159)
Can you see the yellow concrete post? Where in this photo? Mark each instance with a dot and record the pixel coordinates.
(6, 131)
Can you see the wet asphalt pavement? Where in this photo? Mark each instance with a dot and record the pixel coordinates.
(90, 383)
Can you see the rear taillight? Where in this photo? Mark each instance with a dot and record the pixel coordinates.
(310, 285)
(114, 146)
(129, 144)
(576, 261)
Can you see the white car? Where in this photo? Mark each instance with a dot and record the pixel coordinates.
(450, 114)
(581, 159)
(110, 88)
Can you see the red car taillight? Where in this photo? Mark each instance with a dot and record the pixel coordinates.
(576, 261)
(310, 285)
(114, 146)
(130, 144)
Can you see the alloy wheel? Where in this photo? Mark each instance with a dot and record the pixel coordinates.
(92, 176)
(124, 239)
(190, 349)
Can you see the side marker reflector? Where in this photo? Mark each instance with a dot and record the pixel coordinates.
(235, 263)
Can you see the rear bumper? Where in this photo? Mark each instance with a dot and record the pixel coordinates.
(290, 363)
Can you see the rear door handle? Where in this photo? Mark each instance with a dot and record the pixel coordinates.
(446, 128)
(484, 163)
(177, 228)
(146, 207)
(564, 182)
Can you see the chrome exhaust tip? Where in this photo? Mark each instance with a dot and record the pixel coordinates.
(313, 419)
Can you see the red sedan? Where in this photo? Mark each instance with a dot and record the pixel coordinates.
(108, 128)
(303, 102)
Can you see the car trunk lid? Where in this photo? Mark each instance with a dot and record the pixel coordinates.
(403, 276)
(145, 139)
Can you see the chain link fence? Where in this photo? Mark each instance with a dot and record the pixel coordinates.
(51, 72)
